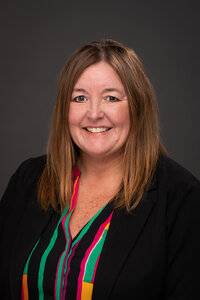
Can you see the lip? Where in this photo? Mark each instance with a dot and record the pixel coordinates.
(98, 133)
(106, 127)
(103, 126)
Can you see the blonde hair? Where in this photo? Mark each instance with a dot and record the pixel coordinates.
(143, 145)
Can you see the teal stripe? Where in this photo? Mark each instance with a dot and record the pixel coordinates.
(28, 260)
(91, 263)
(66, 226)
(44, 257)
(82, 233)
(87, 226)
(42, 264)
(58, 283)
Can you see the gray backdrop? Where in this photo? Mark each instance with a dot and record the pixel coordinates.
(38, 36)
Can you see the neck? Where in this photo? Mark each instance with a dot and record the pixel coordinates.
(101, 169)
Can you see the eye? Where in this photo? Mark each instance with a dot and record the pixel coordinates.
(112, 98)
(80, 98)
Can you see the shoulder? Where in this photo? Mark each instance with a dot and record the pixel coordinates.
(21, 183)
(33, 163)
(172, 175)
(31, 168)
(179, 189)
(23, 178)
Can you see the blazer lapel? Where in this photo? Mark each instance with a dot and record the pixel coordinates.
(122, 236)
(31, 226)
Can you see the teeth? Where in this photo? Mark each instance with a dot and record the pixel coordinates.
(97, 129)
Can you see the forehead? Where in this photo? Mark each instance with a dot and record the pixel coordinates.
(100, 75)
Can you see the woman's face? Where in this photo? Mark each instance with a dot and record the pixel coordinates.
(99, 113)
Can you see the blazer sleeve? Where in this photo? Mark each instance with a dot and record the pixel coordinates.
(183, 244)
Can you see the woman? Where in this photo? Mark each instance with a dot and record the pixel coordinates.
(106, 214)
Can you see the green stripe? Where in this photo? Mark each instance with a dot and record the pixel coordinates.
(42, 264)
(58, 283)
(90, 266)
(45, 255)
(28, 260)
(66, 225)
(82, 233)
(85, 229)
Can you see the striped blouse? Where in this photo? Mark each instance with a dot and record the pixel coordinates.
(60, 267)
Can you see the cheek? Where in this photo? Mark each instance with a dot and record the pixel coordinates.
(121, 116)
(74, 116)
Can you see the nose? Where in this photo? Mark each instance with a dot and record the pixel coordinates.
(95, 110)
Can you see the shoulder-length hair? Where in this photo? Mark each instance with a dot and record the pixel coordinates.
(143, 145)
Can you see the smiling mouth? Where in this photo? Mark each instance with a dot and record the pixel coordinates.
(97, 130)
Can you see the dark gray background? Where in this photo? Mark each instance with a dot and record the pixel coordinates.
(38, 36)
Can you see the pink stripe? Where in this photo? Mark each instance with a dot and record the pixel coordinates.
(75, 194)
(76, 172)
(63, 224)
(95, 269)
(84, 261)
(72, 205)
(72, 202)
(97, 262)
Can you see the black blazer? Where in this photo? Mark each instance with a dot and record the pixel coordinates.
(153, 253)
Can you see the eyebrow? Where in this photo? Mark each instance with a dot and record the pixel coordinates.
(105, 90)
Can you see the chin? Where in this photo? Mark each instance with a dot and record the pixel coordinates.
(100, 154)
(96, 154)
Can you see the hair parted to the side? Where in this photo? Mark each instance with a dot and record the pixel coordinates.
(143, 146)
